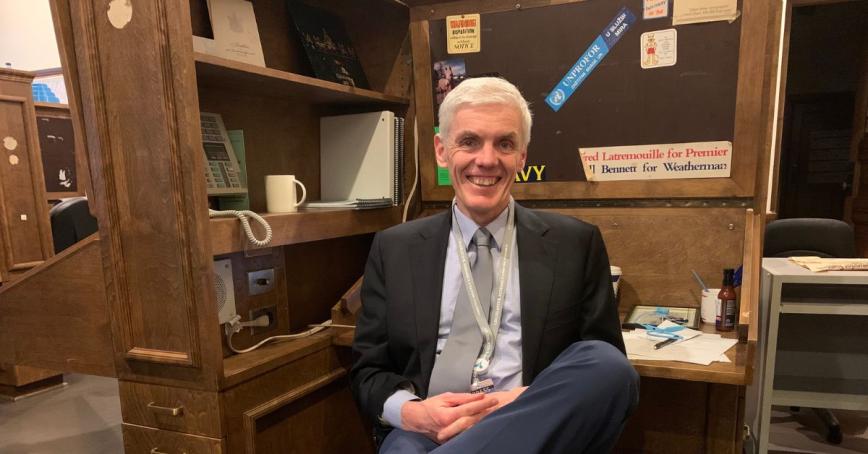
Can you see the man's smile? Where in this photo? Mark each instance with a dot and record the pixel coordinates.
(483, 181)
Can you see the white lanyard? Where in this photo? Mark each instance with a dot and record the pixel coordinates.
(490, 327)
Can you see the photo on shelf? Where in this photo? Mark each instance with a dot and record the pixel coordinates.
(655, 315)
(327, 45)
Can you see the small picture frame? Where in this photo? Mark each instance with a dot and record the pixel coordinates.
(654, 315)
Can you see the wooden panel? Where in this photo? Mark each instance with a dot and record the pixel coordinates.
(140, 109)
(56, 316)
(23, 375)
(682, 430)
(725, 427)
(295, 409)
(657, 248)
(165, 407)
(319, 273)
(25, 236)
(322, 419)
(145, 440)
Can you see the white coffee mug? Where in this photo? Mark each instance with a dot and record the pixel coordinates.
(708, 306)
(280, 194)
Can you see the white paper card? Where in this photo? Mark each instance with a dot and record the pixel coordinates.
(657, 162)
(654, 9)
(236, 35)
(659, 48)
(695, 11)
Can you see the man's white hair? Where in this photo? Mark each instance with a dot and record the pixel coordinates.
(479, 91)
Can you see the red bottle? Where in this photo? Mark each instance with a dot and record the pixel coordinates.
(727, 306)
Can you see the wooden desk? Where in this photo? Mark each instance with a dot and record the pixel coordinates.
(690, 408)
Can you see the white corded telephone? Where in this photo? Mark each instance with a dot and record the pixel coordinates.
(222, 170)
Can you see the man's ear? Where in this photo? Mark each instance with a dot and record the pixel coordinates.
(522, 158)
(440, 151)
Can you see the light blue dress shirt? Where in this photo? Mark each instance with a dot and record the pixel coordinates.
(505, 368)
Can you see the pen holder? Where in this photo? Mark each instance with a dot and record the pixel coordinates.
(708, 306)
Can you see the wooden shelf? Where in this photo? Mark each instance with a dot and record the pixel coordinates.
(243, 367)
(240, 77)
(227, 235)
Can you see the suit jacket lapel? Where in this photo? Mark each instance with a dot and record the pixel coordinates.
(428, 259)
(537, 257)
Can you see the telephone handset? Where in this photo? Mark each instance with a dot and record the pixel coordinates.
(222, 171)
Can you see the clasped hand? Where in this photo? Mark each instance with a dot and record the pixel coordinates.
(446, 415)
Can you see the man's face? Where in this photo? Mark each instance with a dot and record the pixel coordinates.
(483, 153)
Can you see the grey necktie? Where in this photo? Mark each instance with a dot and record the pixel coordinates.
(453, 369)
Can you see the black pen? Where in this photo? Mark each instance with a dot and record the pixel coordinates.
(660, 345)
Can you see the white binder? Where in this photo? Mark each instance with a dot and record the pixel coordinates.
(357, 159)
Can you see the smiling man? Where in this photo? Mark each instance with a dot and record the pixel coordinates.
(490, 327)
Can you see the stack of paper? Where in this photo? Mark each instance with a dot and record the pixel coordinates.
(830, 264)
(696, 347)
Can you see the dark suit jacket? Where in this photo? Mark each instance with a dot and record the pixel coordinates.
(566, 296)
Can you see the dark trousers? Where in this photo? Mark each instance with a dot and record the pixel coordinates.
(577, 404)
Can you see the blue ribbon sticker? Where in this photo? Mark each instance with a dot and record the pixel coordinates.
(591, 58)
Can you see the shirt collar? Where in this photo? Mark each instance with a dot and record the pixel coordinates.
(497, 227)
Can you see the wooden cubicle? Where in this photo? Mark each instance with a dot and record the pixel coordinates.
(140, 301)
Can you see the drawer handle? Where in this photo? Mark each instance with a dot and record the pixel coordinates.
(170, 411)
(157, 451)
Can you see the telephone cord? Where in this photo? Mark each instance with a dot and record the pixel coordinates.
(245, 223)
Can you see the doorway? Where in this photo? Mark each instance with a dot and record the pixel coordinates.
(824, 110)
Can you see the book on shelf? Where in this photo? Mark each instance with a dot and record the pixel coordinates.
(360, 160)
(236, 35)
(328, 48)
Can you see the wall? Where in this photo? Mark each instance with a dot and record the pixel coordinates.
(27, 35)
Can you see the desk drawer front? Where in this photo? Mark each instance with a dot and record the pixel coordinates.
(165, 407)
(146, 440)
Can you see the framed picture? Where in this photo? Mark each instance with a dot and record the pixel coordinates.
(654, 315)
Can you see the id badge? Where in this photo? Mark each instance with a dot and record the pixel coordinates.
(483, 386)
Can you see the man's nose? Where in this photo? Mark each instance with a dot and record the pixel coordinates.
(487, 156)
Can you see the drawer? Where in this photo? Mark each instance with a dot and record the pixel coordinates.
(147, 440)
(167, 407)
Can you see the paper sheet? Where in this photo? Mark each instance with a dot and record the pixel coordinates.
(816, 264)
(694, 11)
(704, 349)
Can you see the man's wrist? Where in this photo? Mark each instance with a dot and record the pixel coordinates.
(393, 407)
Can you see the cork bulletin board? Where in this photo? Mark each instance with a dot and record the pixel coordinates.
(622, 101)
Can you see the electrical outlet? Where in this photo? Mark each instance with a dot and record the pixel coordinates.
(260, 282)
(271, 312)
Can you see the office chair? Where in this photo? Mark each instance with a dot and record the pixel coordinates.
(70, 222)
(828, 238)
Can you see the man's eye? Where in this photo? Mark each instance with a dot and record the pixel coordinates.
(507, 145)
(467, 142)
